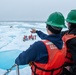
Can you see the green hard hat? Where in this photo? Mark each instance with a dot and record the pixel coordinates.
(71, 16)
(56, 19)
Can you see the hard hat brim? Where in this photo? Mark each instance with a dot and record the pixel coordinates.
(71, 21)
(56, 25)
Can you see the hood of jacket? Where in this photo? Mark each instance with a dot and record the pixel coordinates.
(56, 40)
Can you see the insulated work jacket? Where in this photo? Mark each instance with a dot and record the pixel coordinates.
(56, 59)
(69, 59)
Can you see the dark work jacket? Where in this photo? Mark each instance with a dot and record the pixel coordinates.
(37, 52)
(71, 44)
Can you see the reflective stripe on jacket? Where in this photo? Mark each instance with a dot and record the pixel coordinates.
(56, 59)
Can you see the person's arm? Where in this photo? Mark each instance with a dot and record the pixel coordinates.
(27, 56)
(39, 33)
(34, 53)
(71, 44)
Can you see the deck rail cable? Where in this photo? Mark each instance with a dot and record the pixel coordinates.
(10, 69)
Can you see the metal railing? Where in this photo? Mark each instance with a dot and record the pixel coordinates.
(9, 70)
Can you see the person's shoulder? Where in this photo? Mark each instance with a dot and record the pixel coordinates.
(38, 43)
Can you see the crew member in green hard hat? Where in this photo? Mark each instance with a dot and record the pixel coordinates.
(47, 56)
(70, 39)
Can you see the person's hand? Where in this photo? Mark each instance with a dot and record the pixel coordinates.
(33, 30)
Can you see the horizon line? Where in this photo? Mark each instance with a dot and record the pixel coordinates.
(21, 21)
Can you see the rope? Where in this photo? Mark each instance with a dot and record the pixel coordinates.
(9, 70)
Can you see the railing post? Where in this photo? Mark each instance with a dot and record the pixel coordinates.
(17, 70)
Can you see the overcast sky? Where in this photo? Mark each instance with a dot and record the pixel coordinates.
(11, 10)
